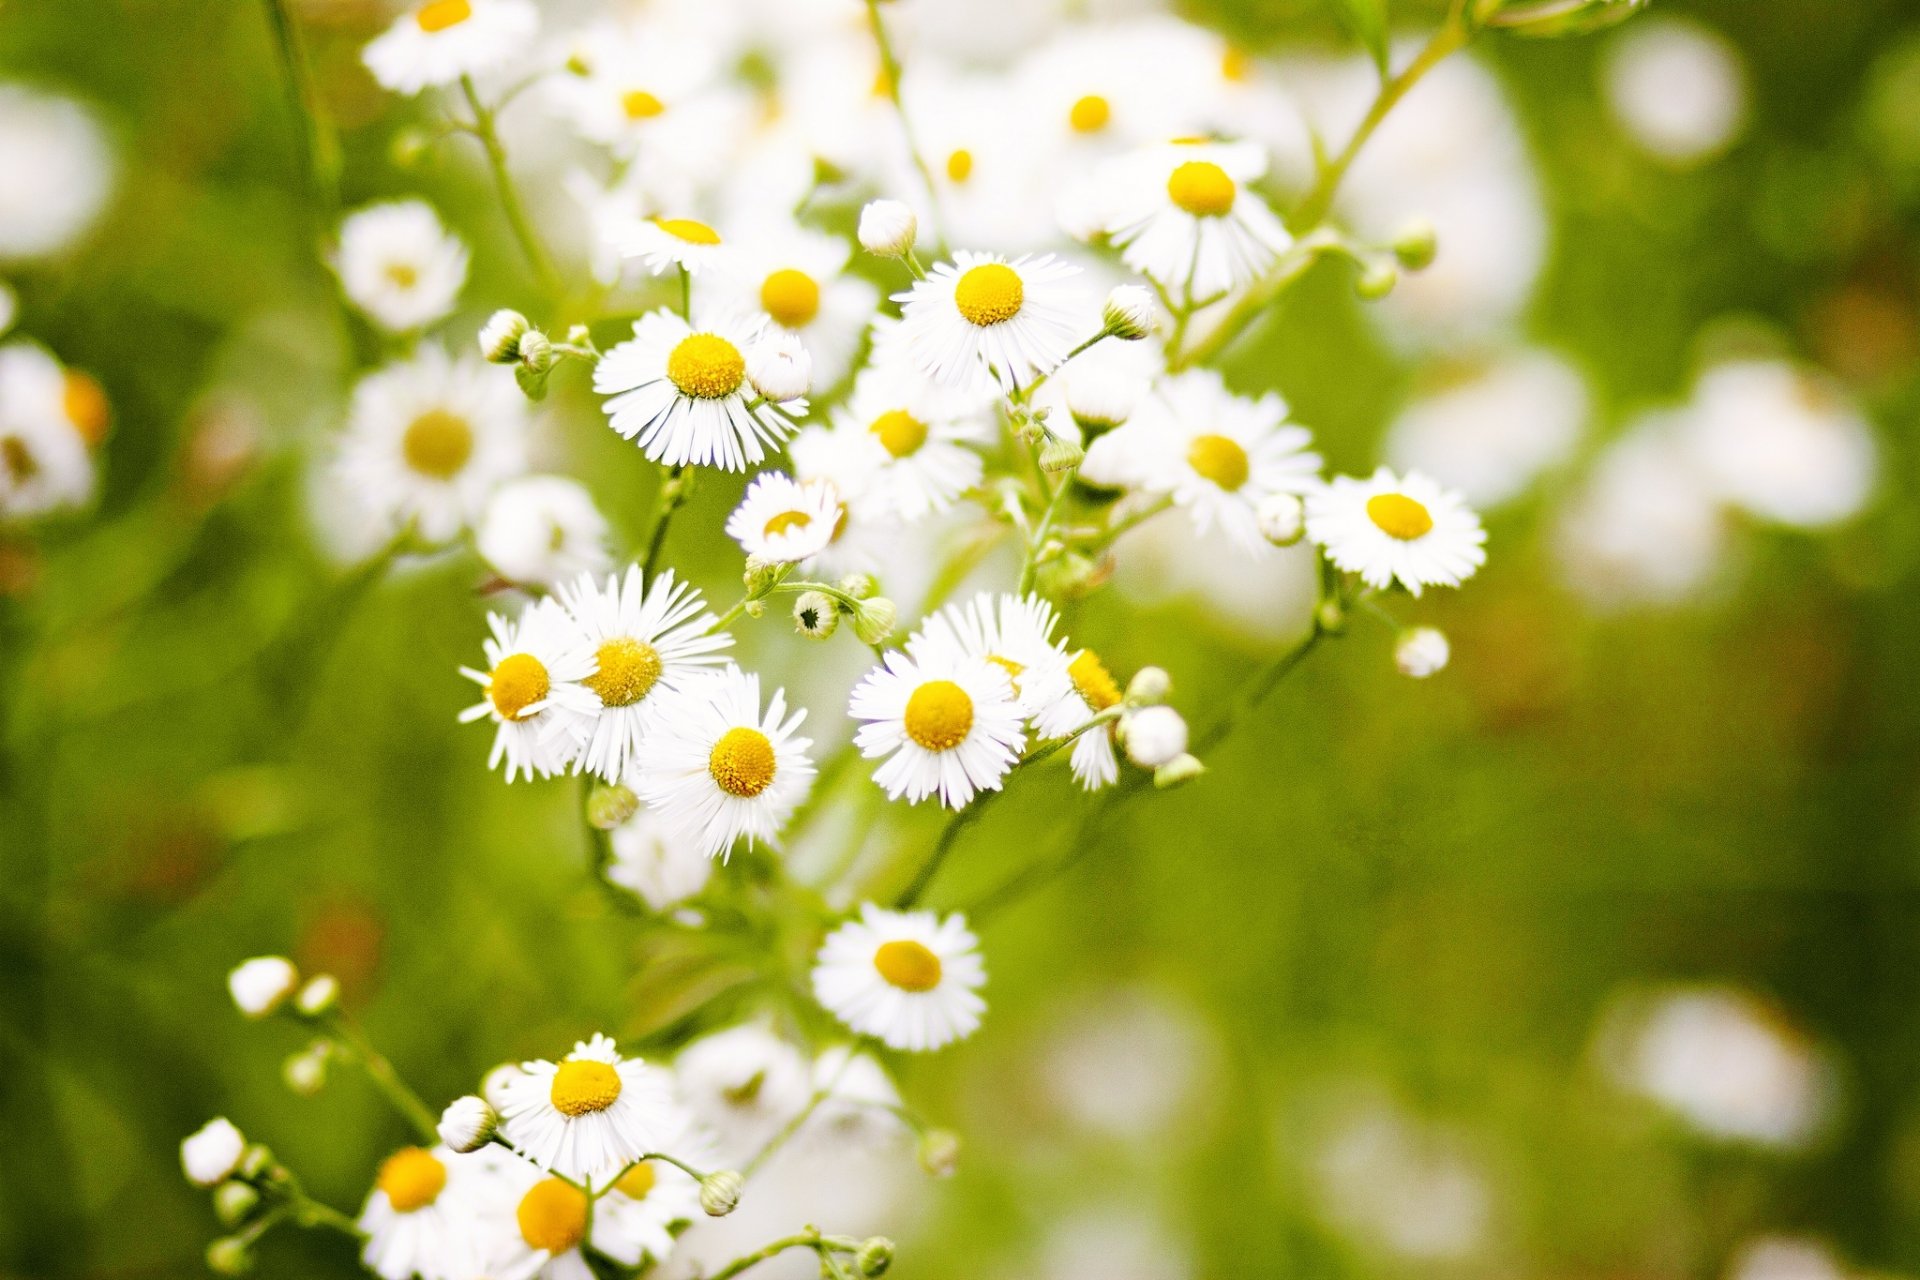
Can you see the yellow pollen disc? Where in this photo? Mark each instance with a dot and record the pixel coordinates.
(786, 520)
(742, 763)
(960, 165)
(688, 230)
(1234, 64)
(1202, 188)
(706, 366)
(939, 715)
(989, 293)
(553, 1216)
(641, 105)
(402, 275)
(628, 668)
(1012, 668)
(791, 297)
(412, 1179)
(1399, 516)
(438, 15)
(1094, 681)
(899, 432)
(1090, 114)
(86, 406)
(636, 1182)
(908, 965)
(516, 684)
(1220, 460)
(18, 460)
(437, 444)
(582, 1085)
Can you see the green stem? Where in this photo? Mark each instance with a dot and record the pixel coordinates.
(1030, 566)
(686, 294)
(319, 151)
(809, 1239)
(387, 1080)
(673, 493)
(890, 71)
(309, 1212)
(483, 128)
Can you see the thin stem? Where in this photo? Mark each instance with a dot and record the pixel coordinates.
(309, 1212)
(1108, 536)
(809, 1239)
(319, 151)
(483, 127)
(794, 1125)
(1025, 394)
(387, 1080)
(686, 294)
(672, 493)
(1291, 266)
(1030, 566)
(890, 72)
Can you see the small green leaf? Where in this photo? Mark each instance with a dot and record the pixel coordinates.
(1366, 21)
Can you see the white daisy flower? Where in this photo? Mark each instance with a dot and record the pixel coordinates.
(743, 1085)
(428, 440)
(1181, 217)
(798, 279)
(56, 172)
(1088, 690)
(715, 769)
(906, 978)
(664, 245)
(630, 90)
(647, 639)
(398, 264)
(783, 521)
(535, 690)
(417, 1220)
(438, 42)
(1015, 633)
(683, 395)
(917, 442)
(44, 463)
(537, 1227)
(542, 531)
(981, 321)
(1385, 528)
(859, 1104)
(591, 1114)
(946, 722)
(648, 862)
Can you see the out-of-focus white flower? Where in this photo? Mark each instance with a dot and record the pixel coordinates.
(887, 228)
(260, 985)
(400, 265)
(1421, 652)
(907, 978)
(648, 861)
(212, 1152)
(798, 279)
(56, 172)
(1401, 1185)
(1493, 434)
(439, 41)
(1786, 1258)
(780, 368)
(1128, 1063)
(1678, 89)
(744, 1085)
(1781, 443)
(542, 531)
(1154, 736)
(48, 416)
(1112, 1242)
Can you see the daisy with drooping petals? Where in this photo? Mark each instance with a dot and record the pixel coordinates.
(1089, 689)
(400, 265)
(797, 278)
(591, 1114)
(542, 531)
(1015, 633)
(535, 691)
(715, 769)
(981, 322)
(1386, 528)
(682, 395)
(416, 1220)
(907, 978)
(946, 722)
(666, 244)
(439, 41)
(647, 638)
(919, 442)
(1182, 218)
(783, 521)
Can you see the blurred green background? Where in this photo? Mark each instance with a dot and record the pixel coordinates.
(1422, 891)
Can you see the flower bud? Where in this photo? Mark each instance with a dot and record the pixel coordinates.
(1060, 454)
(234, 1202)
(536, 352)
(887, 228)
(1329, 617)
(720, 1192)
(305, 1073)
(1421, 652)
(467, 1124)
(1130, 312)
(609, 804)
(321, 993)
(229, 1256)
(874, 1256)
(1416, 245)
(1149, 687)
(873, 620)
(1154, 736)
(256, 1161)
(816, 615)
(1376, 281)
(859, 585)
(1182, 768)
(500, 336)
(939, 1152)
(1282, 519)
(762, 576)
(755, 609)
(212, 1152)
(780, 368)
(262, 984)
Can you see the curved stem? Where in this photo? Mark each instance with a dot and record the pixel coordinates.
(483, 128)
(809, 1238)
(387, 1080)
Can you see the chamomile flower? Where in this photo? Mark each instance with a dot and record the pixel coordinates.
(648, 639)
(537, 1226)
(743, 1086)
(667, 244)
(782, 521)
(1183, 219)
(429, 439)
(535, 691)
(1088, 690)
(980, 321)
(56, 172)
(416, 1220)
(797, 278)
(943, 720)
(907, 978)
(1386, 528)
(590, 1114)
(1015, 633)
(683, 396)
(917, 441)
(716, 769)
(542, 530)
(439, 41)
(648, 862)
(635, 91)
(399, 265)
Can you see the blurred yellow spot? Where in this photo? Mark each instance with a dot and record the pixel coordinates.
(641, 105)
(908, 965)
(1013, 669)
(791, 297)
(636, 1182)
(1093, 680)
(412, 1179)
(553, 1216)
(517, 683)
(1399, 516)
(960, 165)
(403, 275)
(899, 432)
(628, 668)
(582, 1085)
(1234, 64)
(1219, 459)
(86, 405)
(688, 230)
(939, 715)
(1090, 114)
(437, 444)
(706, 366)
(1202, 188)
(742, 763)
(786, 520)
(989, 293)
(438, 15)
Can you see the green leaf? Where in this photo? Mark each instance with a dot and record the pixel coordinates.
(1366, 21)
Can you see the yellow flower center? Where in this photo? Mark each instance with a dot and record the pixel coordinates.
(628, 668)
(86, 406)
(517, 683)
(1202, 188)
(1012, 668)
(706, 366)
(402, 275)
(688, 230)
(1399, 516)
(1090, 114)
(636, 1182)
(582, 1085)
(1234, 64)
(437, 444)
(553, 1216)
(742, 763)
(786, 520)
(641, 105)
(899, 432)
(989, 293)
(939, 715)
(791, 297)
(412, 1178)
(908, 965)
(438, 15)
(960, 165)
(1093, 680)
(21, 466)
(1220, 460)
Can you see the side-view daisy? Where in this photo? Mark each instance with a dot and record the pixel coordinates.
(682, 395)
(400, 265)
(907, 978)
(716, 769)
(1088, 690)
(783, 521)
(591, 1114)
(1014, 633)
(437, 42)
(1387, 527)
(945, 722)
(534, 690)
(44, 464)
(647, 638)
(417, 1220)
(1181, 217)
(981, 321)
(668, 244)
(920, 441)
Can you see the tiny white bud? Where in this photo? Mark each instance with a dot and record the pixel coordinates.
(1060, 454)
(210, 1154)
(229, 1256)
(496, 1080)
(1099, 398)
(873, 620)
(467, 1124)
(536, 352)
(1149, 687)
(1421, 652)
(780, 368)
(260, 985)
(1182, 768)
(1131, 312)
(305, 1073)
(1282, 518)
(500, 336)
(887, 228)
(319, 995)
(859, 585)
(720, 1192)
(815, 615)
(1154, 736)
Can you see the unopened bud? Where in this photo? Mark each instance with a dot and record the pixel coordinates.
(229, 1256)
(859, 585)
(780, 368)
(1282, 519)
(939, 1152)
(211, 1154)
(874, 1256)
(1416, 245)
(1154, 737)
(408, 146)
(262, 984)
(536, 352)
(610, 804)
(1376, 281)
(1182, 768)
(1421, 652)
(319, 996)
(1060, 454)
(873, 620)
(256, 1161)
(720, 1192)
(1130, 312)
(755, 608)
(467, 1124)
(500, 336)
(1329, 617)
(234, 1202)
(887, 228)
(816, 615)
(305, 1073)
(761, 576)
(1069, 576)
(1149, 687)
